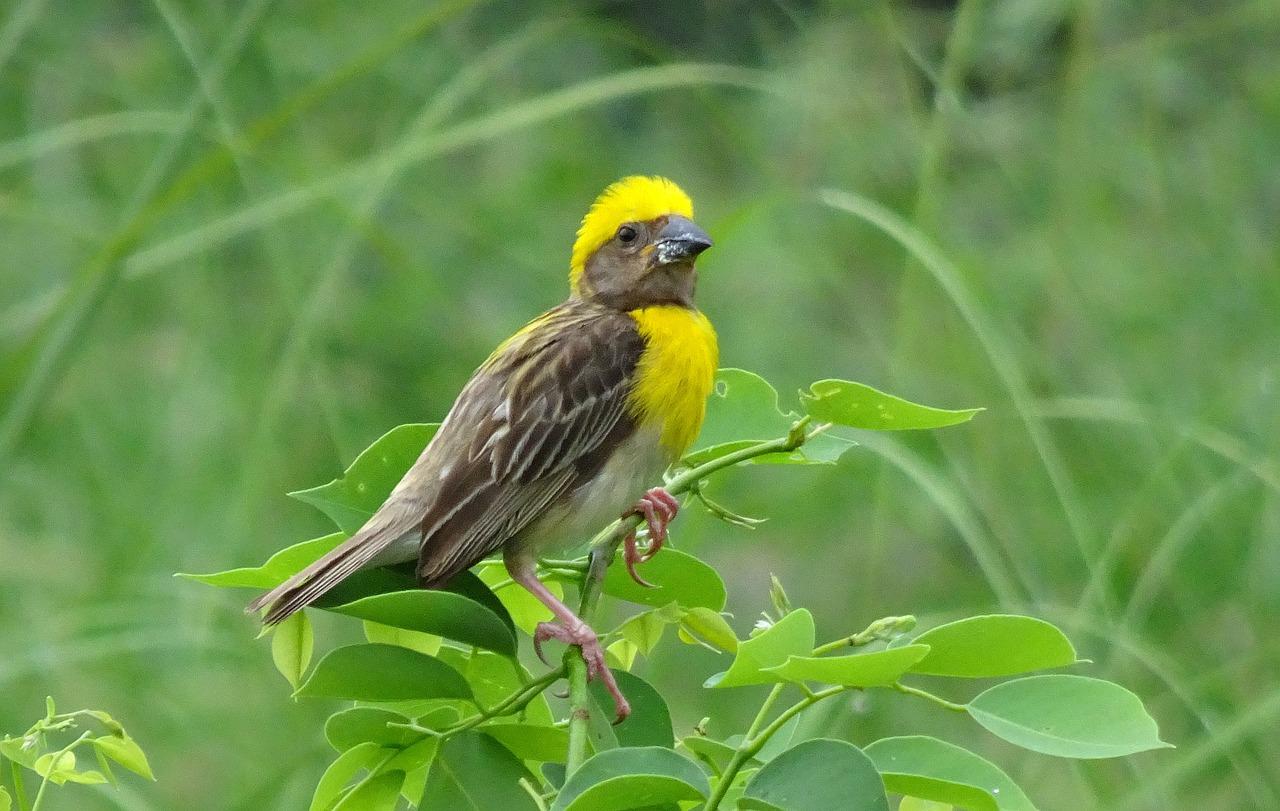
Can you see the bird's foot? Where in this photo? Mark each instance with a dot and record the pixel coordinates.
(580, 634)
(659, 508)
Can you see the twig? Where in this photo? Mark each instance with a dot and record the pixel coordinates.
(605, 545)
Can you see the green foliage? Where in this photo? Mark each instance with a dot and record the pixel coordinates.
(449, 718)
(49, 748)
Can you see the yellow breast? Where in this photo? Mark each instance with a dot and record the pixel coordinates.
(675, 374)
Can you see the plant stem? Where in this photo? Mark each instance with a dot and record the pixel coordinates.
(19, 787)
(512, 703)
(883, 628)
(605, 545)
(752, 744)
(926, 695)
(53, 766)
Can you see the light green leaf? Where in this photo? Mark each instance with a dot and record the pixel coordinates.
(648, 725)
(993, 645)
(13, 749)
(633, 777)
(278, 568)
(356, 725)
(378, 793)
(793, 635)
(818, 775)
(383, 673)
(1067, 716)
(494, 677)
(355, 495)
(701, 623)
(441, 613)
(645, 630)
(917, 804)
(291, 647)
(679, 577)
(856, 670)
(413, 640)
(531, 742)
(473, 772)
(342, 771)
(125, 751)
(856, 405)
(931, 769)
(743, 409)
(61, 768)
(6, 802)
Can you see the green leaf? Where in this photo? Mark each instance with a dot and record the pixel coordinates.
(931, 769)
(993, 645)
(648, 725)
(383, 673)
(352, 727)
(473, 772)
(355, 495)
(378, 793)
(792, 635)
(531, 742)
(701, 623)
(6, 802)
(436, 612)
(818, 775)
(413, 640)
(743, 409)
(916, 804)
(679, 577)
(645, 630)
(1067, 716)
(125, 751)
(494, 677)
(525, 610)
(13, 749)
(856, 405)
(278, 568)
(60, 767)
(342, 771)
(632, 777)
(291, 647)
(709, 749)
(856, 670)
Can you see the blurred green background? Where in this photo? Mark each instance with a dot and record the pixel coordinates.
(240, 240)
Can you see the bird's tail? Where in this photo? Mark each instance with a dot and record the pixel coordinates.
(310, 584)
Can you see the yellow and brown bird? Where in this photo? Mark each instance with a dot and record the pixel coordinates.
(566, 426)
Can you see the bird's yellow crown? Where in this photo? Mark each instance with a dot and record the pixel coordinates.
(632, 199)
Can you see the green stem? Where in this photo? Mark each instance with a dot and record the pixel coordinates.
(19, 787)
(752, 744)
(53, 765)
(926, 695)
(884, 628)
(512, 703)
(605, 544)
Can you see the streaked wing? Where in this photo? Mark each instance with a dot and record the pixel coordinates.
(539, 418)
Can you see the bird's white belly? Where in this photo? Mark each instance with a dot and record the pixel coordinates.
(633, 468)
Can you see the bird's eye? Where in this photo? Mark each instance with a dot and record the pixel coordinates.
(627, 234)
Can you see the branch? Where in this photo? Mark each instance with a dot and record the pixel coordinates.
(605, 545)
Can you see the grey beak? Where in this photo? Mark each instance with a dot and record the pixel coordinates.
(679, 240)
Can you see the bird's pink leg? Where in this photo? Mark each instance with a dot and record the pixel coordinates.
(569, 629)
(659, 508)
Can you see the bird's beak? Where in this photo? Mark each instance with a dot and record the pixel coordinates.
(680, 240)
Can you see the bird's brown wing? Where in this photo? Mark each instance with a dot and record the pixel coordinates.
(539, 418)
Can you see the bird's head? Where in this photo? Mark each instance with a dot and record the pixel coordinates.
(637, 246)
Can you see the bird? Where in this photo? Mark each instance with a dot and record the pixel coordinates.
(563, 428)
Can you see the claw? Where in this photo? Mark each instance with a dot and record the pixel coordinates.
(658, 508)
(586, 639)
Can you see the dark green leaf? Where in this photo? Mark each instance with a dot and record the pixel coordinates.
(680, 578)
(791, 636)
(630, 778)
(292, 642)
(473, 772)
(936, 770)
(383, 673)
(436, 612)
(819, 775)
(468, 584)
(531, 742)
(856, 670)
(1067, 716)
(278, 568)
(648, 725)
(354, 496)
(993, 645)
(856, 405)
